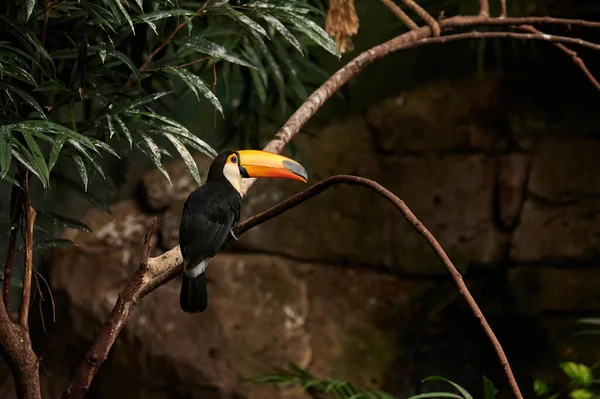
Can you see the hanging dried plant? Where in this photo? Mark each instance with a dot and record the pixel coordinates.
(342, 23)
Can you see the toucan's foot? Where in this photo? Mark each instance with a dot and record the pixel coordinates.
(233, 235)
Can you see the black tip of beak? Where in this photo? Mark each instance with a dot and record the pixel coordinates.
(296, 169)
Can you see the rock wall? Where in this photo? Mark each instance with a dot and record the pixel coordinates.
(342, 284)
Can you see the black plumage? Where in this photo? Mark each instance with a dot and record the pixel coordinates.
(209, 214)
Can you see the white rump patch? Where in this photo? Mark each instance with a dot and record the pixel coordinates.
(197, 270)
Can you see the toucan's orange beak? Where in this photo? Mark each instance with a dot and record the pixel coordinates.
(255, 163)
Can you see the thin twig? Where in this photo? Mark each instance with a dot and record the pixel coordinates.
(484, 8)
(191, 63)
(16, 197)
(503, 13)
(325, 184)
(578, 61)
(49, 293)
(98, 351)
(420, 11)
(29, 214)
(214, 89)
(400, 14)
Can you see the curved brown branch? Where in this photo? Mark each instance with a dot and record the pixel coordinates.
(576, 59)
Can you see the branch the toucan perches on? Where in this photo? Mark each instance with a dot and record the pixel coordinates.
(210, 213)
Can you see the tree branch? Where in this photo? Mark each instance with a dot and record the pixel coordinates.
(29, 215)
(15, 200)
(98, 352)
(578, 61)
(420, 11)
(503, 13)
(400, 14)
(484, 8)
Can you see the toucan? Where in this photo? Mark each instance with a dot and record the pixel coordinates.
(211, 212)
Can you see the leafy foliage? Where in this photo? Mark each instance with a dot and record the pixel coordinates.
(344, 390)
(80, 78)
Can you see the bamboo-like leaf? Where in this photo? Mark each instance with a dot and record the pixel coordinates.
(92, 159)
(123, 128)
(5, 150)
(37, 158)
(105, 147)
(111, 127)
(186, 156)
(465, 394)
(489, 392)
(436, 395)
(315, 32)
(26, 97)
(125, 14)
(197, 86)
(21, 154)
(60, 220)
(152, 150)
(52, 243)
(30, 4)
(59, 141)
(277, 74)
(161, 14)
(284, 31)
(82, 170)
(207, 47)
(173, 127)
(285, 8)
(127, 61)
(49, 127)
(245, 20)
(19, 73)
(27, 36)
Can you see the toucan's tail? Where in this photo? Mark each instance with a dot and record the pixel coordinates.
(193, 297)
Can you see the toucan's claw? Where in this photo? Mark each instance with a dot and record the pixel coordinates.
(233, 235)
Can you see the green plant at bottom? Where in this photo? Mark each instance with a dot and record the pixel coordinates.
(344, 390)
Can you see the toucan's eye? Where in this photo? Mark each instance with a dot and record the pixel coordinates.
(233, 159)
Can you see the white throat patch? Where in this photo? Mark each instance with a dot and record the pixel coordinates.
(232, 173)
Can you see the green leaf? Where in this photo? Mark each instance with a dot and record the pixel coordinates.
(540, 387)
(5, 150)
(436, 395)
(151, 149)
(489, 392)
(30, 4)
(52, 243)
(284, 31)
(204, 46)
(186, 156)
(19, 73)
(197, 86)
(460, 389)
(26, 97)
(82, 170)
(127, 61)
(60, 220)
(161, 14)
(123, 128)
(577, 372)
(49, 127)
(39, 163)
(248, 22)
(315, 32)
(57, 146)
(125, 14)
(581, 394)
(22, 155)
